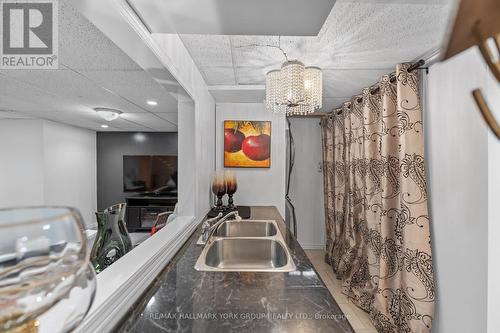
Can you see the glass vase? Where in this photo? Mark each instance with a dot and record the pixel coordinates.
(112, 241)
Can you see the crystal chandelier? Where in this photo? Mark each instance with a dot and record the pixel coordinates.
(295, 89)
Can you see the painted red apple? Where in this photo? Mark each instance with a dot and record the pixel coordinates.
(233, 140)
(257, 148)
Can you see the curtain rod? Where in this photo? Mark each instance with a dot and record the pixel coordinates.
(375, 88)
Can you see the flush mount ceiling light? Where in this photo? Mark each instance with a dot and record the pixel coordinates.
(104, 126)
(108, 114)
(152, 103)
(294, 89)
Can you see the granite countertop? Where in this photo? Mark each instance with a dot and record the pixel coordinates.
(185, 300)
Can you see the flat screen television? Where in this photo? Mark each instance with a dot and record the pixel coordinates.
(150, 173)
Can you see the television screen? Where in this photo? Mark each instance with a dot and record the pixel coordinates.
(145, 173)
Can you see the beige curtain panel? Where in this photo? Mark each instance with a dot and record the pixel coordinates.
(378, 240)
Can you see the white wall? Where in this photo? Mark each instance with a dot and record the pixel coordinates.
(492, 93)
(46, 163)
(70, 168)
(21, 156)
(306, 187)
(458, 171)
(186, 156)
(256, 187)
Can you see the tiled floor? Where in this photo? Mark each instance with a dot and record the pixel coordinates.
(359, 319)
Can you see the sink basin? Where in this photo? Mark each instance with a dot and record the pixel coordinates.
(246, 229)
(246, 253)
(246, 246)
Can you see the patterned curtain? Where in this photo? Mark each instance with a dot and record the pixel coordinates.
(378, 240)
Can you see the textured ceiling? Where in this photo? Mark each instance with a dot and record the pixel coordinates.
(93, 72)
(359, 42)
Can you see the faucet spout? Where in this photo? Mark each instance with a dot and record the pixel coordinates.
(207, 230)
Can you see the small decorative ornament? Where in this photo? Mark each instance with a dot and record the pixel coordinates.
(219, 189)
(295, 89)
(231, 187)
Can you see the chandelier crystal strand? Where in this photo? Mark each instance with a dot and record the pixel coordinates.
(301, 109)
(313, 87)
(273, 92)
(292, 82)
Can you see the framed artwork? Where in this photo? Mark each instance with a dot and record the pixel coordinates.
(247, 144)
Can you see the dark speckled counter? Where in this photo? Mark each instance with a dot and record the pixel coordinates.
(185, 300)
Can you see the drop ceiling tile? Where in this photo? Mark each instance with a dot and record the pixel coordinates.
(209, 50)
(251, 75)
(88, 119)
(246, 40)
(367, 34)
(4, 114)
(219, 75)
(46, 106)
(83, 46)
(238, 94)
(263, 52)
(165, 127)
(71, 118)
(55, 82)
(125, 125)
(20, 96)
(342, 83)
(69, 87)
(152, 121)
(171, 117)
(251, 51)
(135, 86)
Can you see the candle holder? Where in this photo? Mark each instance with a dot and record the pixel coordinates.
(231, 187)
(219, 189)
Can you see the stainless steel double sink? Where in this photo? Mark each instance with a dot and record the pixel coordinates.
(246, 246)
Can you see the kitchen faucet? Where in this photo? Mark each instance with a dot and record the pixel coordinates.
(207, 230)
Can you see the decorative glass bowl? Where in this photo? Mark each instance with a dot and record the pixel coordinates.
(46, 282)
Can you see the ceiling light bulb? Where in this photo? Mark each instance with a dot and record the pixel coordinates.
(108, 114)
(152, 103)
(104, 126)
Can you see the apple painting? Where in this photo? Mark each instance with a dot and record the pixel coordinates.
(233, 140)
(257, 148)
(247, 144)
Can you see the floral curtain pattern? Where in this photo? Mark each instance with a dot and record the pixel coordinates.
(378, 239)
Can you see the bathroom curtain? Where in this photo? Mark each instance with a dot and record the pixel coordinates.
(378, 239)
